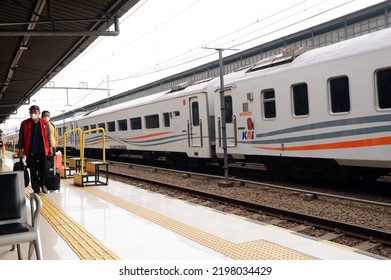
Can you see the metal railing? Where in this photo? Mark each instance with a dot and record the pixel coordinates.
(65, 147)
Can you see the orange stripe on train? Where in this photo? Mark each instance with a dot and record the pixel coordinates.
(132, 138)
(97, 142)
(148, 135)
(338, 145)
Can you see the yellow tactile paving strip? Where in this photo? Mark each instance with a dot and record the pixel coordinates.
(85, 245)
(254, 250)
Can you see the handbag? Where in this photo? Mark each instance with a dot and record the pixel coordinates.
(20, 166)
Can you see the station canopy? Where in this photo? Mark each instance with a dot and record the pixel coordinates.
(38, 38)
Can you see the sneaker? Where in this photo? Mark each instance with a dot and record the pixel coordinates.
(44, 189)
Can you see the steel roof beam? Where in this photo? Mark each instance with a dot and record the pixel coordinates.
(114, 32)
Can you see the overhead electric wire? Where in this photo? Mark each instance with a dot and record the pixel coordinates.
(84, 97)
(153, 69)
(146, 33)
(295, 23)
(177, 61)
(171, 60)
(100, 39)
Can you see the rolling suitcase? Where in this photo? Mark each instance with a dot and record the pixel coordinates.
(53, 175)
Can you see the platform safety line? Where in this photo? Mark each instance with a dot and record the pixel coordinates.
(84, 244)
(253, 250)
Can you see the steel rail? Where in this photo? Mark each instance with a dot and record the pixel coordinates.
(332, 225)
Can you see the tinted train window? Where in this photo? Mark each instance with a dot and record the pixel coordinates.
(122, 125)
(85, 128)
(93, 126)
(135, 123)
(339, 94)
(195, 113)
(102, 125)
(269, 103)
(111, 126)
(300, 99)
(152, 121)
(383, 83)
(228, 109)
(166, 119)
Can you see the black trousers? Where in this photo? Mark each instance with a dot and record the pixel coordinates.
(37, 164)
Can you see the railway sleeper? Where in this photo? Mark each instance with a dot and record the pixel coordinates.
(331, 236)
(367, 245)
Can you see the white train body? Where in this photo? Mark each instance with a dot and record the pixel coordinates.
(331, 103)
(173, 122)
(353, 133)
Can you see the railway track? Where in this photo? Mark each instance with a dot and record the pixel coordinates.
(371, 240)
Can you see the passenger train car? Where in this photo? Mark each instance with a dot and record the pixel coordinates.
(326, 110)
(176, 124)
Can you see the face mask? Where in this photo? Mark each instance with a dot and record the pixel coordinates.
(34, 116)
(47, 119)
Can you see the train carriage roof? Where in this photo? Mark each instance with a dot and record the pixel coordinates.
(180, 90)
(371, 42)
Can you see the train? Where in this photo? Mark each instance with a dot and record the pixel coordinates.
(323, 111)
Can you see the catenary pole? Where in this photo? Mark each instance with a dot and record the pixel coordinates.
(222, 109)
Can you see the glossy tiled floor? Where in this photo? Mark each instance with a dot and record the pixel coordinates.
(135, 224)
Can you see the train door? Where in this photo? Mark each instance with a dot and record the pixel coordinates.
(230, 124)
(194, 124)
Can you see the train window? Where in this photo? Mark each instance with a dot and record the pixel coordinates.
(383, 85)
(93, 126)
(339, 94)
(195, 113)
(59, 131)
(177, 114)
(300, 99)
(110, 126)
(269, 103)
(85, 128)
(166, 119)
(228, 109)
(135, 123)
(102, 125)
(152, 121)
(122, 125)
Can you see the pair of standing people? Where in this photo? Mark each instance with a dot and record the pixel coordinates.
(37, 138)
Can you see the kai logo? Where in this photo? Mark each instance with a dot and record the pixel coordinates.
(248, 135)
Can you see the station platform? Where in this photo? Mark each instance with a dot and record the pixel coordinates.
(123, 222)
